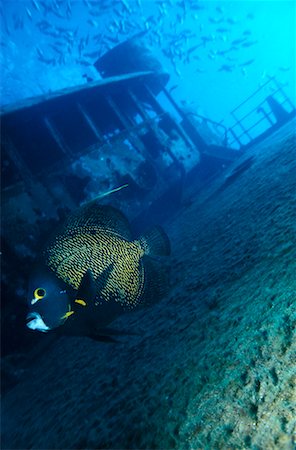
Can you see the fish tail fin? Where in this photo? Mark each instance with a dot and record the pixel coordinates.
(156, 281)
(155, 242)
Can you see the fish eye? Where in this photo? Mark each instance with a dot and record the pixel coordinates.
(39, 293)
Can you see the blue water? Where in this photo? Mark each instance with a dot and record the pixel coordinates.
(212, 364)
(49, 45)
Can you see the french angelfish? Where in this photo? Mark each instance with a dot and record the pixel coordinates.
(94, 272)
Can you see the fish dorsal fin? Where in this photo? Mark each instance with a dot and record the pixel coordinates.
(94, 217)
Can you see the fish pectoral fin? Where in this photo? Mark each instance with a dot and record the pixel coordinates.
(87, 289)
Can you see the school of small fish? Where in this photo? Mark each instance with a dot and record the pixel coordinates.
(83, 31)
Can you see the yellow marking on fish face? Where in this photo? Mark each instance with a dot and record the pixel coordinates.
(39, 294)
(80, 302)
(68, 314)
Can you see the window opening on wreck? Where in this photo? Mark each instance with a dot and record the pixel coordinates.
(125, 106)
(89, 120)
(171, 110)
(103, 116)
(38, 149)
(74, 128)
(145, 110)
(115, 103)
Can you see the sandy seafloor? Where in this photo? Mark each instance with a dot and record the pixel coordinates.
(214, 365)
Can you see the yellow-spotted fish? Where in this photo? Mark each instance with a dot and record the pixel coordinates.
(95, 272)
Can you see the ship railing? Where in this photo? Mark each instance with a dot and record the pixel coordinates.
(274, 109)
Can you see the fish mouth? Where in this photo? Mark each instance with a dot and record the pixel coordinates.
(35, 322)
(32, 316)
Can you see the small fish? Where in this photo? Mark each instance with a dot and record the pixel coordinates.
(62, 59)
(206, 39)
(238, 41)
(112, 39)
(47, 7)
(94, 13)
(56, 49)
(173, 88)
(249, 43)
(232, 20)
(223, 52)
(226, 68)
(39, 52)
(63, 30)
(196, 6)
(43, 25)
(59, 43)
(250, 16)
(36, 5)
(212, 55)
(93, 23)
(29, 14)
(48, 61)
(247, 63)
(285, 68)
(177, 70)
(69, 9)
(222, 30)
(94, 271)
(95, 54)
(263, 74)
(215, 20)
(233, 48)
(192, 49)
(118, 12)
(126, 6)
(230, 58)
(83, 62)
